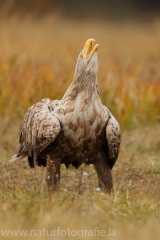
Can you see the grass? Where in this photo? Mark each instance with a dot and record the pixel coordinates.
(38, 60)
(132, 211)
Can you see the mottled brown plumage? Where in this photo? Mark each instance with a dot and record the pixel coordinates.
(77, 129)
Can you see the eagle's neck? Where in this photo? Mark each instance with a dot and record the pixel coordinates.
(84, 87)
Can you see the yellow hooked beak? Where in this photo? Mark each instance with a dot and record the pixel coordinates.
(89, 49)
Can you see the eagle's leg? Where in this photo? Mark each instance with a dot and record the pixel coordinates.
(52, 173)
(104, 173)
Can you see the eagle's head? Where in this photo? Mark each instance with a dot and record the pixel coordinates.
(85, 75)
(87, 62)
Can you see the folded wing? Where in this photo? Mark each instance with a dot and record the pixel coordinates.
(113, 137)
(38, 129)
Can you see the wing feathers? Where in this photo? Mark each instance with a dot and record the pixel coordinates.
(39, 128)
(113, 137)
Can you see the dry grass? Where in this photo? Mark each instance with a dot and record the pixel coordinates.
(37, 60)
(133, 210)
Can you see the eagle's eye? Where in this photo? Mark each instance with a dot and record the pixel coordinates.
(81, 56)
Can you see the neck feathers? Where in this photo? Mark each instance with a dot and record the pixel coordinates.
(86, 86)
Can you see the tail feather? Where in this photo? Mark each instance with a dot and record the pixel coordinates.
(15, 158)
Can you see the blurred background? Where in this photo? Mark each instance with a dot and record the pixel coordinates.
(103, 9)
(40, 41)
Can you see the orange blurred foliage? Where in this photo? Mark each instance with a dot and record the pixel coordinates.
(38, 60)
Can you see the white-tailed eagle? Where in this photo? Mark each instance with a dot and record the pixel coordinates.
(74, 130)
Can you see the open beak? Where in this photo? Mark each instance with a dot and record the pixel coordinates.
(89, 49)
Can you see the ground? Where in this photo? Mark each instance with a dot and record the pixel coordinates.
(131, 212)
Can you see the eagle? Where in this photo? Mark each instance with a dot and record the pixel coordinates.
(74, 130)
